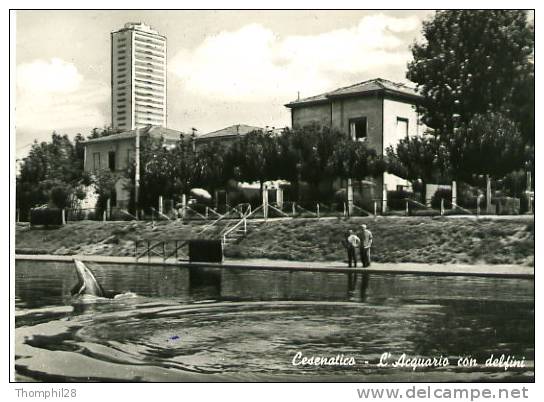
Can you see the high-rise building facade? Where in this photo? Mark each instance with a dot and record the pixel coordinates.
(138, 77)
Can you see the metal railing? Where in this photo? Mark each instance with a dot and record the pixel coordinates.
(224, 216)
(243, 221)
(159, 249)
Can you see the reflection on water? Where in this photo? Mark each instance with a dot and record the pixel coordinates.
(211, 324)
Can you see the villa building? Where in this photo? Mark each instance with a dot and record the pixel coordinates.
(115, 153)
(378, 112)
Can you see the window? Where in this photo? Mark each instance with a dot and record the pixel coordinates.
(358, 129)
(111, 160)
(96, 161)
(402, 128)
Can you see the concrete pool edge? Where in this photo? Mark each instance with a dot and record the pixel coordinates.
(490, 271)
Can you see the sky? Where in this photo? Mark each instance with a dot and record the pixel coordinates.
(224, 67)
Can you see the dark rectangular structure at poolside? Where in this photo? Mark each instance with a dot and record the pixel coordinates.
(205, 251)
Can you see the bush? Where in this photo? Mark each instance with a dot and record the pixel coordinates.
(46, 216)
(341, 196)
(236, 197)
(441, 193)
(467, 196)
(524, 204)
(60, 196)
(507, 205)
(396, 199)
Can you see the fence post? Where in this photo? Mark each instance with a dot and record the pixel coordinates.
(442, 206)
(294, 210)
(104, 216)
(17, 215)
(375, 208)
(317, 205)
(344, 209)
(478, 205)
(108, 208)
(489, 207)
(160, 205)
(265, 202)
(384, 199)
(407, 208)
(63, 216)
(245, 225)
(206, 213)
(350, 198)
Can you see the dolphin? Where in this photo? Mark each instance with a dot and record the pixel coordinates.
(86, 282)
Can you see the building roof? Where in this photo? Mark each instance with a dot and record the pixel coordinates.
(153, 131)
(231, 131)
(376, 85)
(139, 26)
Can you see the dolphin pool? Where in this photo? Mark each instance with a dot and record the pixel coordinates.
(211, 324)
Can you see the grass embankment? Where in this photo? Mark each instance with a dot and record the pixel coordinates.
(100, 238)
(425, 240)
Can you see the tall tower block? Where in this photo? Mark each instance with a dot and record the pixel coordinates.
(138, 77)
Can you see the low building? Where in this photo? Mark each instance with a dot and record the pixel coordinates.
(115, 153)
(378, 112)
(226, 135)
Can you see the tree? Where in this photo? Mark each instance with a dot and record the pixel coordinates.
(490, 144)
(254, 157)
(419, 158)
(103, 132)
(354, 160)
(54, 160)
(474, 62)
(314, 147)
(104, 183)
(167, 170)
(54, 164)
(213, 171)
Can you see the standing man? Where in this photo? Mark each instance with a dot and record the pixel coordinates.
(366, 243)
(353, 243)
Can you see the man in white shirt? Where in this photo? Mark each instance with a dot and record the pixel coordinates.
(353, 243)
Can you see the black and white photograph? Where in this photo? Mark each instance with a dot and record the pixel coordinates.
(279, 196)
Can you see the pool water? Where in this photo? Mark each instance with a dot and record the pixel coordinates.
(209, 324)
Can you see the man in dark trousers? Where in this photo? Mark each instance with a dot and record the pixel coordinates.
(352, 243)
(366, 243)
